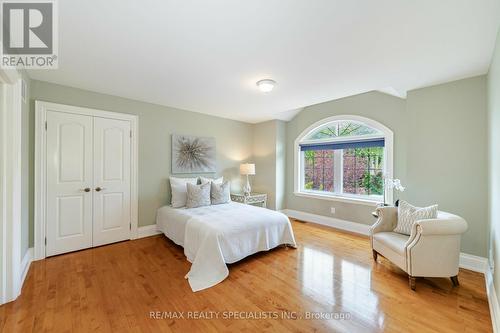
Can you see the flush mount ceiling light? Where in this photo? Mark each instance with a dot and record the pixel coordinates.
(266, 85)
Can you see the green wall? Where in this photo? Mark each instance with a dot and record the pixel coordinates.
(447, 154)
(156, 125)
(269, 158)
(264, 157)
(494, 162)
(280, 194)
(440, 152)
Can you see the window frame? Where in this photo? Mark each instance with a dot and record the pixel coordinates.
(343, 197)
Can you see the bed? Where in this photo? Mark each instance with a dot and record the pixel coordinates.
(216, 235)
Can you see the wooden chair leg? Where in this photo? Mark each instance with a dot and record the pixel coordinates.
(454, 280)
(375, 254)
(413, 283)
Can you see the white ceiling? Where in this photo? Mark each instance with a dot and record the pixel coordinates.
(206, 56)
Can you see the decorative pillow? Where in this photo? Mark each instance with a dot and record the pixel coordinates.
(198, 195)
(204, 180)
(179, 190)
(220, 193)
(408, 215)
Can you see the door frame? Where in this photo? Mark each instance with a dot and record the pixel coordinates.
(41, 108)
(10, 186)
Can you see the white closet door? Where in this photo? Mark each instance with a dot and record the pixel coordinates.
(69, 182)
(111, 181)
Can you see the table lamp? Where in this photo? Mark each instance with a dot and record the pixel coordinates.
(247, 169)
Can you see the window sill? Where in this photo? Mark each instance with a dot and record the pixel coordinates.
(360, 201)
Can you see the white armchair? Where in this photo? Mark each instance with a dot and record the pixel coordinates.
(431, 250)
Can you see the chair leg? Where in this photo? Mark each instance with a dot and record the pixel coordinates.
(454, 280)
(412, 281)
(375, 254)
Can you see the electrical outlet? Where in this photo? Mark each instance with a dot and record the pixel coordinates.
(332, 210)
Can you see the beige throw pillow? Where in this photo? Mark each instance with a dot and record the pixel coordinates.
(408, 215)
(198, 195)
(220, 193)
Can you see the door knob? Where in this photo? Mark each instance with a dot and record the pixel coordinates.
(87, 189)
(99, 189)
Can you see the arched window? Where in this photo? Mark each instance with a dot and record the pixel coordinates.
(344, 158)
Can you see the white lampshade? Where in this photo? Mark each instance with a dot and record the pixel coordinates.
(247, 169)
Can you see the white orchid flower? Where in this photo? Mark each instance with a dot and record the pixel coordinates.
(395, 184)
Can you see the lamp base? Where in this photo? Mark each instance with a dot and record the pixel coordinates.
(247, 189)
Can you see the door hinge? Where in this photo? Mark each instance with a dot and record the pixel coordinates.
(130, 133)
(45, 240)
(45, 125)
(130, 225)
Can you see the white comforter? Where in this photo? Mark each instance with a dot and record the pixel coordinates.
(215, 235)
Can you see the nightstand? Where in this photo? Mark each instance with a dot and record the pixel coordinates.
(257, 199)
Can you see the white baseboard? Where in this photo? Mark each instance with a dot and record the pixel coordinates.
(473, 263)
(492, 301)
(25, 264)
(148, 230)
(358, 228)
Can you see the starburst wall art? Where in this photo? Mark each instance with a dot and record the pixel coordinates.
(193, 154)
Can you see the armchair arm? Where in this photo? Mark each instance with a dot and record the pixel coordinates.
(387, 220)
(442, 226)
(433, 248)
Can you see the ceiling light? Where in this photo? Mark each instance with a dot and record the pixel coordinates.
(266, 85)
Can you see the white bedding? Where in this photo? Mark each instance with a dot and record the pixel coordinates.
(215, 235)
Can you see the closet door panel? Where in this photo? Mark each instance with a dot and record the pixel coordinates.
(69, 182)
(111, 181)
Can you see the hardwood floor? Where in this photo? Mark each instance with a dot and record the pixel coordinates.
(115, 288)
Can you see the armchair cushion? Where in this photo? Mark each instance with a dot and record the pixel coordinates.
(408, 215)
(394, 241)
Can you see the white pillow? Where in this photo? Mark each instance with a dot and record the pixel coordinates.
(408, 215)
(219, 180)
(179, 190)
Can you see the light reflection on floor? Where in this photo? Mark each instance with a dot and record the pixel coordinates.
(317, 273)
(343, 284)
